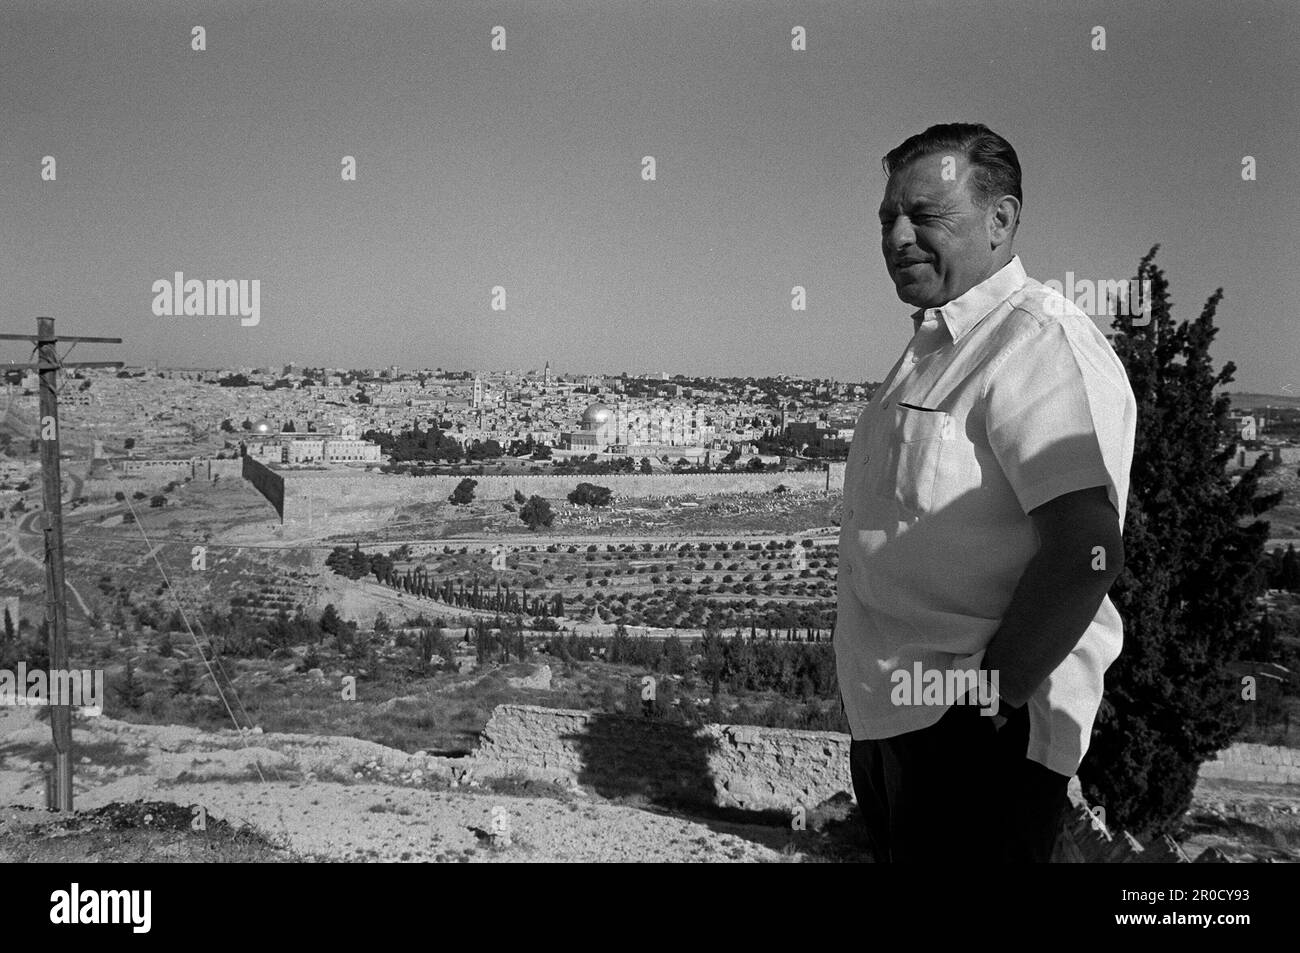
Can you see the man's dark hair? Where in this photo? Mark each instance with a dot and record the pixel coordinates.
(996, 169)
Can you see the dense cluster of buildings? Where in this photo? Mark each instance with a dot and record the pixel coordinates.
(1255, 435)
(178, 422)
(269, 444)
(291, 417)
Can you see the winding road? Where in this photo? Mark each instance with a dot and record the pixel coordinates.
(27, 525)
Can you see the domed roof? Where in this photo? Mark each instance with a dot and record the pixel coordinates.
(596, 414)
(263, 427)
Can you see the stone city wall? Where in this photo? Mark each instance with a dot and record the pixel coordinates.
(267, 482)
(313, 496)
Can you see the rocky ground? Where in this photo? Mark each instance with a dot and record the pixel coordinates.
(1248, 821)
(341, 799)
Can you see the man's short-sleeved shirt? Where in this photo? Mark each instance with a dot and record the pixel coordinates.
(1007, 397)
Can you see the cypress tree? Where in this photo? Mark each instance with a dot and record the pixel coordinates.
(1192, 573)
(130, 691)
(1289, 577)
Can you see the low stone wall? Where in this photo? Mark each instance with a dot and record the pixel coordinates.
(1244, 762)
(727, 765)
(737, 766)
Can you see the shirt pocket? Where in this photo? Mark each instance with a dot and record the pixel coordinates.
(913, 455)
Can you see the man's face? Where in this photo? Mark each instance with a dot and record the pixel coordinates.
(935, 238)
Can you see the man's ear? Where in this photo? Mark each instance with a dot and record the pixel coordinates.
(1003, 218)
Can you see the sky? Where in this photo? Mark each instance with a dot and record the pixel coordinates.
(523, 169)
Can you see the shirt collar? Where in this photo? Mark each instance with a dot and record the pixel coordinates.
(976, 303)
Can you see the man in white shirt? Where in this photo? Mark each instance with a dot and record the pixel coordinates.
(984, 501)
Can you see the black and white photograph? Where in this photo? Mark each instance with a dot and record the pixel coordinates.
(660, 432)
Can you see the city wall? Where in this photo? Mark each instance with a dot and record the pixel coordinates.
(267, 482)
(310, 498)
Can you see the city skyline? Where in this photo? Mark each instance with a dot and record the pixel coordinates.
(523, 169)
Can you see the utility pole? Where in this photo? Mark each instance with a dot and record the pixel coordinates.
(47, 367)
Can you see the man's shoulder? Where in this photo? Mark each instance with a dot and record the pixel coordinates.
(1035, 306)
(1043, 322)
(1035, 309)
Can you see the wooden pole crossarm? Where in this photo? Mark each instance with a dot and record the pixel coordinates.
(58, 367)
(37, 339)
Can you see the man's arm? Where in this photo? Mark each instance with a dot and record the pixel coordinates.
(1059, 592)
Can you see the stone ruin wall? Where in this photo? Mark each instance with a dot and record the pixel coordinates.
(735, 766)
(729, 765)
(1247, 762)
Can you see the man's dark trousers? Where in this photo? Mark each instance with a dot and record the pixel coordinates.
(960, 788)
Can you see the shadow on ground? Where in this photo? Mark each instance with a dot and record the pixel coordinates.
(663, 767)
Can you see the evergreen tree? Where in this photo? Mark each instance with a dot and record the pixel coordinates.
(279, 631)
(130, 692)
(676, 660)
(358, 563)
(183, 681)
(1274, 568)
(589, 494)
(1192, 572)
(712, 653)
(537, 512)
(620, 646)
(1289, 576)
(464, 492)
(330, 622)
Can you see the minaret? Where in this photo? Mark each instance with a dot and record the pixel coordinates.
(546, 374)
(478, 391)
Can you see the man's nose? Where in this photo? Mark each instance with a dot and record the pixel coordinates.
(899, 236)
